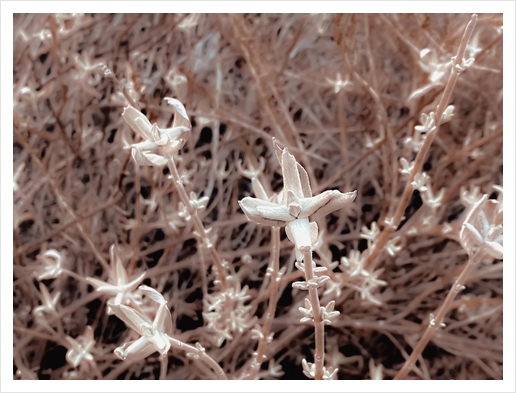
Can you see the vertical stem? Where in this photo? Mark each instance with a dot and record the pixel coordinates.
(435, 324)
(421, 155)
(198, 225)
(273, 291)
(163, 368)
(318, 321)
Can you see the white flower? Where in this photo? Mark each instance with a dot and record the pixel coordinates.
(309, 370)
(483, 229)
(80, 348)
(119, 287)
(298, 209)
(48, 303)
(432, 201)
(52, 260)
(327, 312)
(338, 83)
(164, 141)
(420, 180)
(154, 334)
(406, 167)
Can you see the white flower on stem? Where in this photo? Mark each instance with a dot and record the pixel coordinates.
(427, 123)
(52, 260)
(406, 167)
(307, 311)
(338, 83)
(354, 263)
(327, 312)
(297, 209)
(162, 141)
(370, 284)
(119, 285)
(309, 371)
(420, 180)
(80, 348)
(154, 334)
(394, 246)
(434, 202)
(251, 172)
(48, 303)
(469, 198)
(436, 69)
(370, 234)
(447, 114)
(483, 229)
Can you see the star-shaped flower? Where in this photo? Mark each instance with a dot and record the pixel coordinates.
(119, 285)
(80, 347)
(48, 303)
(297, 209)
(483, 228)
(164, 141)
(154, 334)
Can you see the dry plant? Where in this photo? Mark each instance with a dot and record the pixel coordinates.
(257, 196)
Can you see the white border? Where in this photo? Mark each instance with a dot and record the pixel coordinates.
(7, 10)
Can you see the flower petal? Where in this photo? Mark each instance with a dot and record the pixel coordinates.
(258, 189)
(291, 178)
(264, 212)
(298, 231)
(134, 319)
(135, 350)
(163, 320)
(138, 122)
(305, 181)
(181, 122)
(325, 203)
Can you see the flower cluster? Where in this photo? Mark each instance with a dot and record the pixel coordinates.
(158, 143)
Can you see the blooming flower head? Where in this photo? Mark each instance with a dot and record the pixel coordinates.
(483, 228)
(297, 209)
(119, 285)
(156, 140)
(154, 334)
(80, 348)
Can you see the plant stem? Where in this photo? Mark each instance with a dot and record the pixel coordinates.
(201, 355)
(163, 368)
(198, 225)
(435, 324)
(273, 290)
(318, 321)
(379, 247)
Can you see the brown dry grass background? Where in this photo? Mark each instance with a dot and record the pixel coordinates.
(244, 79)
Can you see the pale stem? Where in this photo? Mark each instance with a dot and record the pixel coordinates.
(318, 321)
(273, 295)
(163, 368)
(198, 225)
(201, 355)
(421, 155)
(435, 324)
